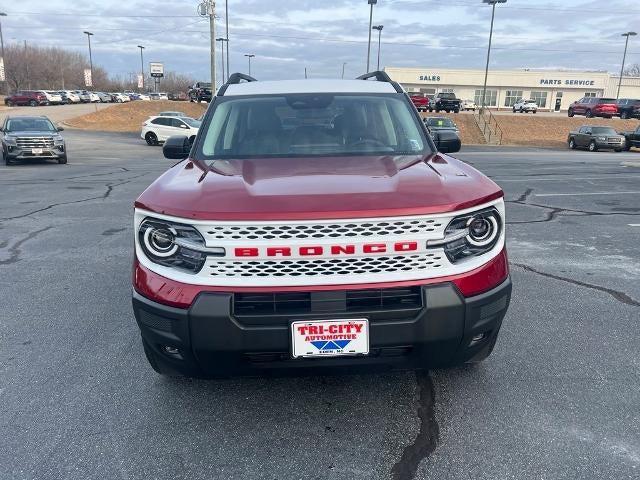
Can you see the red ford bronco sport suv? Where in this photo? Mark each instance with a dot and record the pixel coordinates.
(314, 224)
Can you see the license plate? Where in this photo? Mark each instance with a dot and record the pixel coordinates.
(36, 151)
(330, 338)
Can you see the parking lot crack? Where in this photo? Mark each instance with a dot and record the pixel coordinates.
(619, 296)
(15, 251)
(426, 441)
(525, 196)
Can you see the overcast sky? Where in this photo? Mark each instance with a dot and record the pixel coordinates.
(288, 35)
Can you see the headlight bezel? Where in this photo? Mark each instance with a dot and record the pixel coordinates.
(187, 251)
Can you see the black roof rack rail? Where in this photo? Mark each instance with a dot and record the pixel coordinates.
(235, 79)
(381, 76)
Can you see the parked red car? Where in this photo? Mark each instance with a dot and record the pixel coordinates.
(594, 107)
(26, 97)
(421, 102)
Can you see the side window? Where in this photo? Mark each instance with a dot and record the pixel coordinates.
(160, 121)
(582, 129)
(177, 123)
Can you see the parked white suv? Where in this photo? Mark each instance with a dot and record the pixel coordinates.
(70, 96)
(525, 106)
(468, 105)
(158, 128)
(53, 98)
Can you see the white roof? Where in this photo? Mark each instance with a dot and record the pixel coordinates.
(309, 86)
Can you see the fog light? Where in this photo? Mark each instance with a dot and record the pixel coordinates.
(171, 350)
(477, 339)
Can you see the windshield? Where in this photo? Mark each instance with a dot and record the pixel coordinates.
(191, 121)
(318, 124)
(440, 122)
(29, 125)
(607, 100)
(604, 131)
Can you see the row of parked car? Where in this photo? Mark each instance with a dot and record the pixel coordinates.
(35, 98)
(594, 138)
(605, 107)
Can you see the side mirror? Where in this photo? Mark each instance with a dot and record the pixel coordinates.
(60, 129)
(447, 141)
(176, 147)
(183, 126)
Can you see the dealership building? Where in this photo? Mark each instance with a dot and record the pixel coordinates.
(553, 90)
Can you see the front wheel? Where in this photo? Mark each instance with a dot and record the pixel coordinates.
(535, 111)
(592, 146)
(33, 103)
(570, 113)
(617, 150)
(151, 138)
(624, 115)
(572, 144)
(589, 114)
(62, 160)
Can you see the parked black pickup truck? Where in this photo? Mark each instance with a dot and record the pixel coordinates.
(445, 101)
(596, 138)
(200, 92)
(632, 138)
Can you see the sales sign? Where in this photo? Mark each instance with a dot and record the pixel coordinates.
(156, 69)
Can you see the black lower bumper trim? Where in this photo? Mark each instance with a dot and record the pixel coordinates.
(448, 329)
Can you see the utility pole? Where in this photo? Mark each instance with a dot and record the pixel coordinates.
(343, 64)
(624, 58)
(222, 40)
(379, 28)
(2, 14)
(372, 3)
(89, 34)
(208, 9)
(26, 65)
(226, 19)
(141, 65)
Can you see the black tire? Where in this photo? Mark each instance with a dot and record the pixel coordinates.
(624, 115)
(572, 144)
(535, 111)
(514, 109)
(589, 114)
(570, 113)
(617, 150)
(9, 103)
(62, 160)
(192, 139)
(627, 146)
(592, 146)
(33, 103)
(521, 110)
(151, 139)
(456, 111)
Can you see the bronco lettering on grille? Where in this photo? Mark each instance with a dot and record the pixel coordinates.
(315, 250)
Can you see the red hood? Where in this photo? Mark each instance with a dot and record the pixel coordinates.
(316, 188)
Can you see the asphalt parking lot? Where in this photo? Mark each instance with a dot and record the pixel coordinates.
(558, 399)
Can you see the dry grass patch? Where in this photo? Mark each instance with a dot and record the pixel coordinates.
(128, 117)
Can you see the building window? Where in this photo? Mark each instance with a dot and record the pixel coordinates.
(428, 91)
(491, 98)
(446, 90)
(540, 98)
(512, 97)
(590, 94)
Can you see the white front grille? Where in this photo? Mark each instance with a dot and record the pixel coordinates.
(327, 267)
(322, 252)
(34, 142)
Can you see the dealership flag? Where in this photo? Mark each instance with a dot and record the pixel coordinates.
(87, 77)
(2, 79)
(140, 82)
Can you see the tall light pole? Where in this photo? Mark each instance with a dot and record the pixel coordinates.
(486, 70)
(379, 28)
(343, 65)
(226, 19)
(89, 34)
(141, 65)
(2, 14)
(222, 40)
(249, 56)
(372, 3)
(208, 9)
(624, 58)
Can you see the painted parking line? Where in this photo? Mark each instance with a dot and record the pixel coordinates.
(566, 178)
(634, 224)
(584, 194)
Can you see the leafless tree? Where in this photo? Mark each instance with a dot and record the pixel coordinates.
(633, 70)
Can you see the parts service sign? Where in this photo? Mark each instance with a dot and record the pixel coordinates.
(156, 69)
(330, 338)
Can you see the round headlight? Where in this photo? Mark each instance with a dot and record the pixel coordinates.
(160, 241)
(482, 230)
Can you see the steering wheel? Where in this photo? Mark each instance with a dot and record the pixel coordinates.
(369, 141)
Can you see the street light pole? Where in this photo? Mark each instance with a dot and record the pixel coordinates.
(226, 19)
(372, 3)
(624, 58)
(2, 14)
(222, 40)
(249, 56)
(89, 34)
(343, 65)
(486, 70)
(379, 28)
(141, 65)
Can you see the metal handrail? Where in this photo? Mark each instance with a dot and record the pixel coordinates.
(488, 124)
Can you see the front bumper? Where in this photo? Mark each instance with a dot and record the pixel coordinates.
(212, 340)
(609, 144)
(17, 153)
